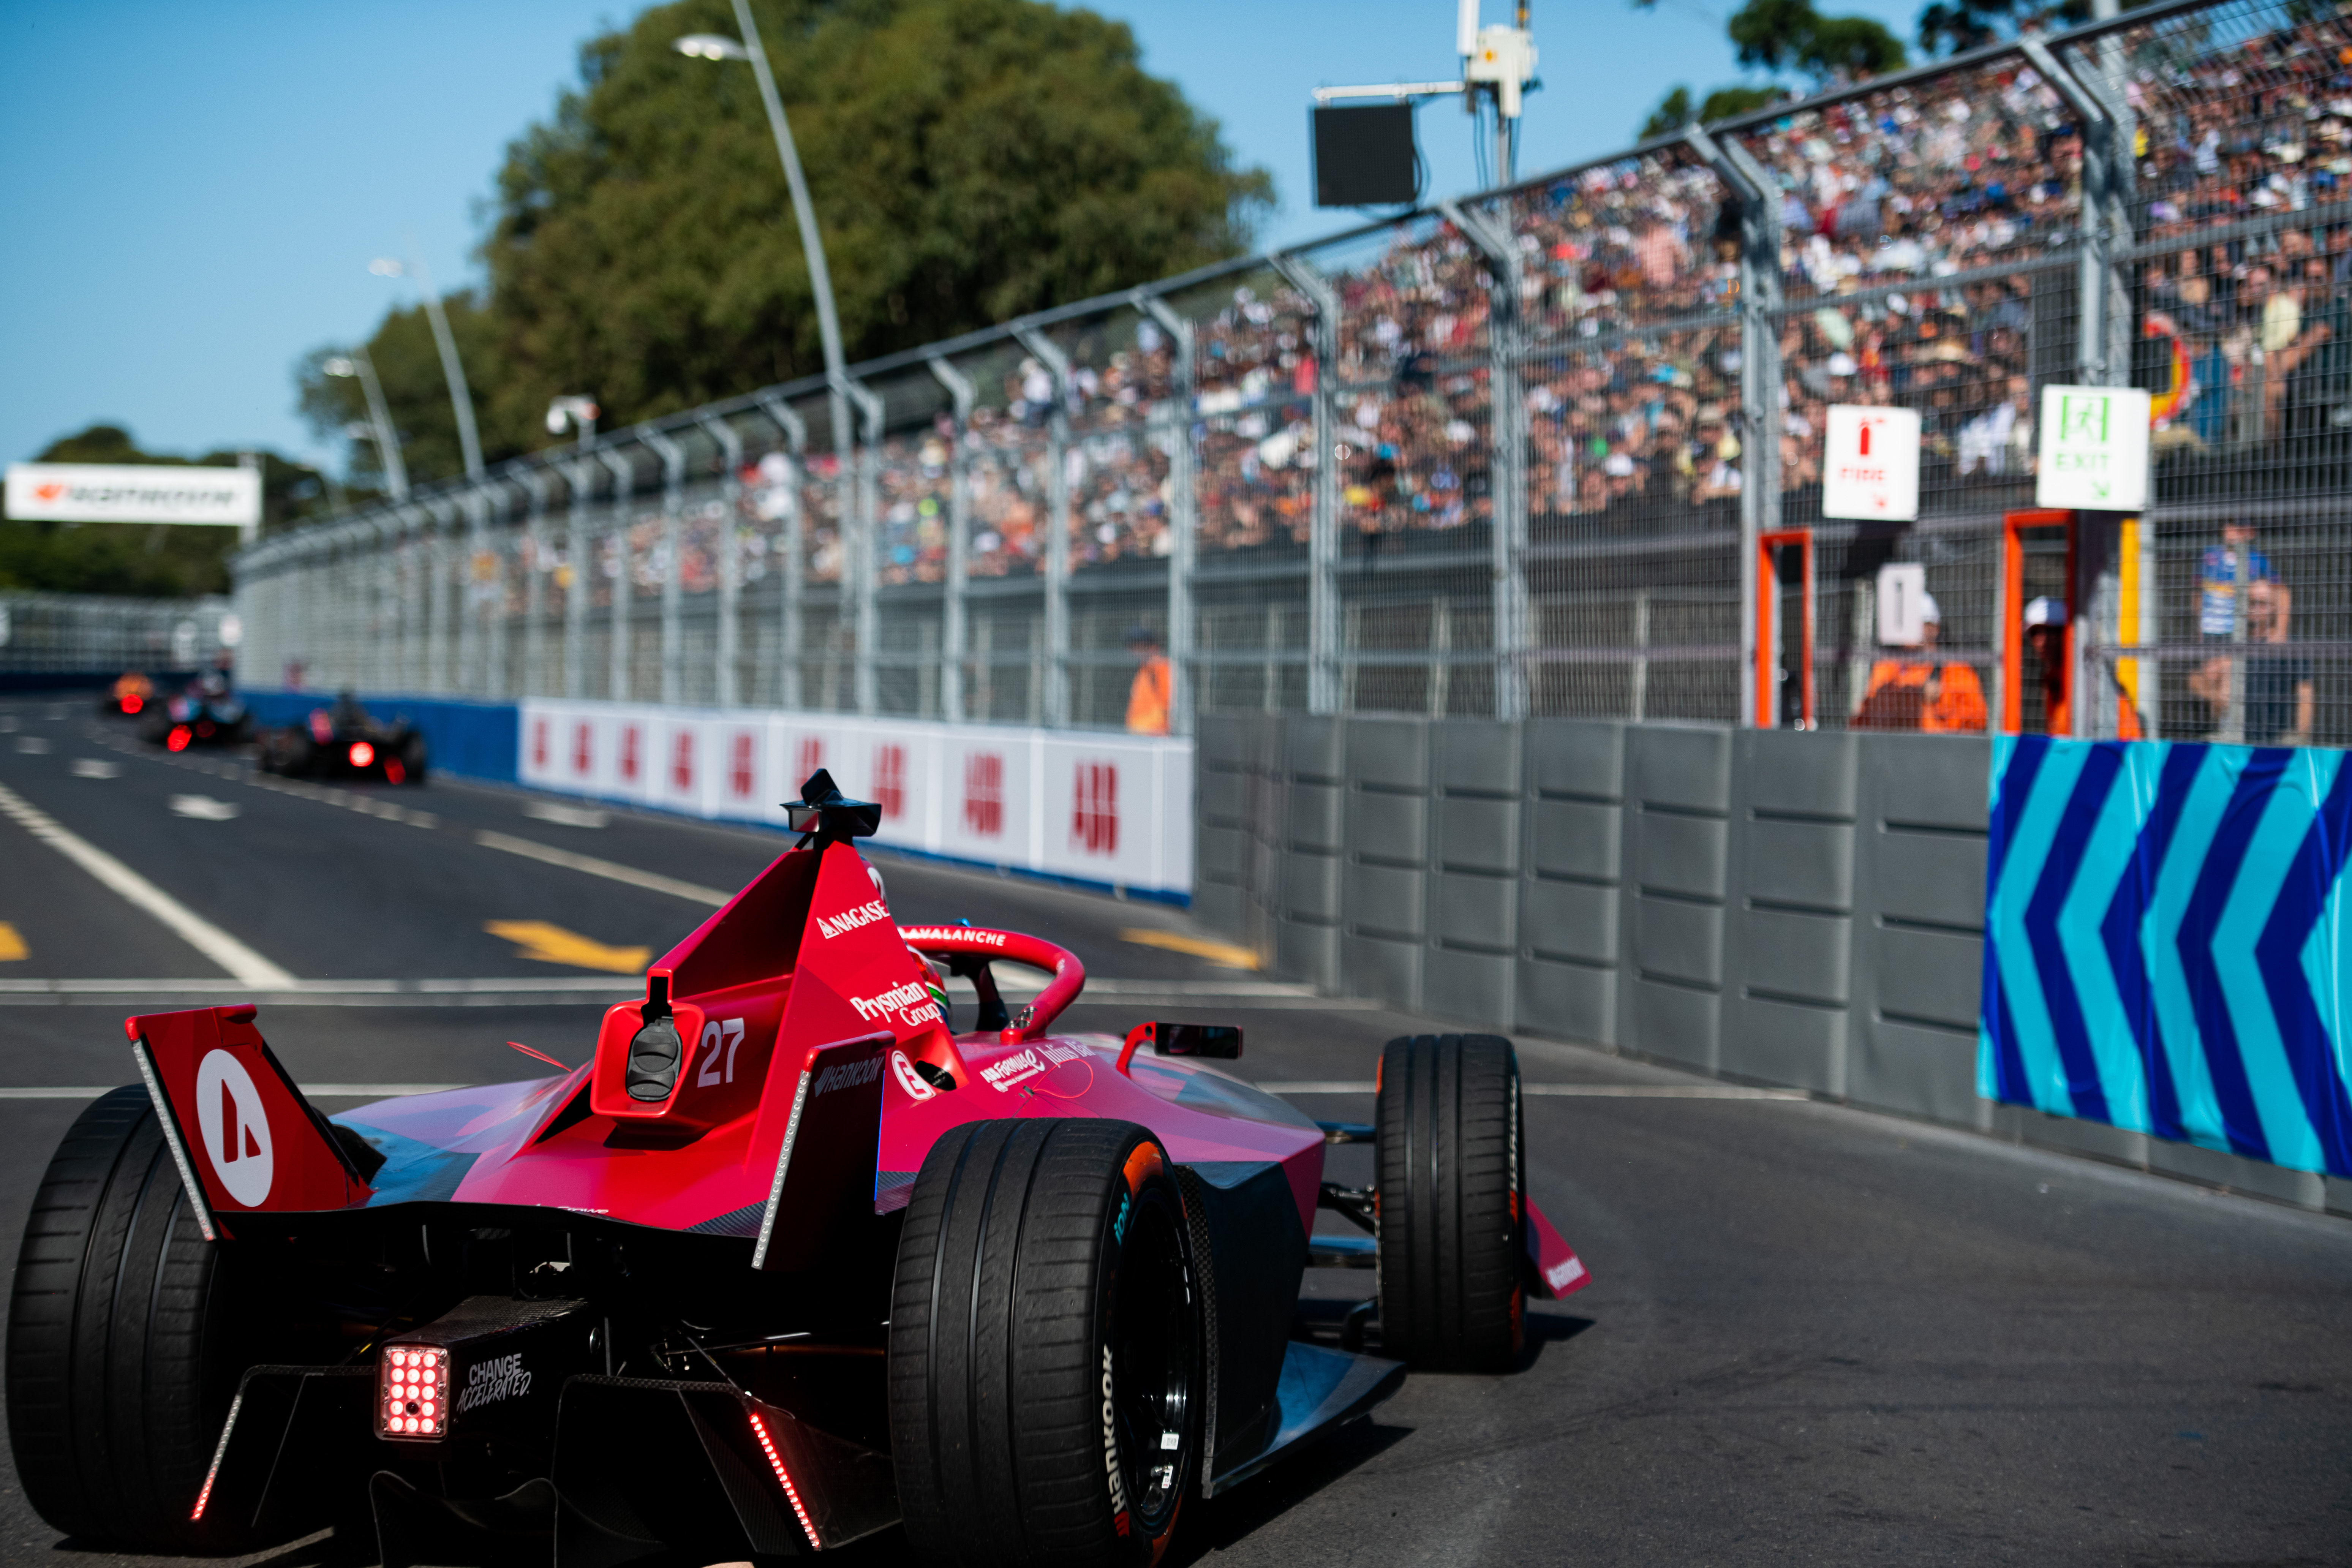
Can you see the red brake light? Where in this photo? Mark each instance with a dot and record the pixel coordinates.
(132, 703)
(361, 754)
(392, 772)
(177, 741)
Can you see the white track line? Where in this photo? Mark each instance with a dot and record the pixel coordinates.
(611, 870)
(198, 932)
(1583, 1090)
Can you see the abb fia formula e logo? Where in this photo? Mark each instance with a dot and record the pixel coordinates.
(235, 1128)
(583, 749)
(890, 781)
(742, 778)
(983, 794)
(539, 742)
(681, 761)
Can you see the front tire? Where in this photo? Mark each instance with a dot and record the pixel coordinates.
(123, 1342)
(1044, 1347)
(1452, 1185)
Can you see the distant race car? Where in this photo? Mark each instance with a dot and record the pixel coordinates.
(345, 742)
(787, 1261)
(206, 714)
(130, 694)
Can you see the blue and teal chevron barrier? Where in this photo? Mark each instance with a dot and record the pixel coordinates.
(2165, 942)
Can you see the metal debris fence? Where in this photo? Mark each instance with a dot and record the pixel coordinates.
(1553, 451)
(86, 635)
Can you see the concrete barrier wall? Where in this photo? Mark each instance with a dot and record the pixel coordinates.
(1773, 907)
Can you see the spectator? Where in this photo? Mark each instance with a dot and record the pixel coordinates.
(2278, 685)
(1148, 698)
(1919, 693)
(2225, 565)
(2045, 635)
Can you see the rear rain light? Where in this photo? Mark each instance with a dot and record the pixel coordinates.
(132, 704)
(361, 754)
(178, 739)
(776, 1463)
(413, 1392)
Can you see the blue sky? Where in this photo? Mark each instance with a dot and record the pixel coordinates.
(196, 191)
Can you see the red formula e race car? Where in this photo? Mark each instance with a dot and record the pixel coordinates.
(787, 1262)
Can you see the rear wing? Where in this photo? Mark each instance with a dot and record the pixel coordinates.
(245, 1138)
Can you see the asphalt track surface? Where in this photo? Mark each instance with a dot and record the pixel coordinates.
(1815, 1334)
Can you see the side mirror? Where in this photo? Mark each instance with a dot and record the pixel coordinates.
(1221, 1042)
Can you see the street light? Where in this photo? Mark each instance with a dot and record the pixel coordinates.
(580, 412)
(461, 401)
(387, 444)
(713, 46)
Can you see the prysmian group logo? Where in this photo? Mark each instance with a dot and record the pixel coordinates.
(864, 914)
(911, 1004)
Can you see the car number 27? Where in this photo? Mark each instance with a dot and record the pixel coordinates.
(728, 1031)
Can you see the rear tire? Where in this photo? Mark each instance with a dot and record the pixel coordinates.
(1045, 1370)
(124, 1341)
(1451, 1195)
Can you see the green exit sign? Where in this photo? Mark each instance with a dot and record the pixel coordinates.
(2093, 447)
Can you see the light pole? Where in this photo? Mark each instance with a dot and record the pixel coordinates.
(461, 401)
(713, 46)
(387, 444)
(579, 412)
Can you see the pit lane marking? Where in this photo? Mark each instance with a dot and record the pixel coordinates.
(314, 1090)
(198, 932)
(1580, 1090)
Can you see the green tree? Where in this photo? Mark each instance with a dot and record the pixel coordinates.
(968, 160)
(1947, 29)
(1676, 110)
(143, 560)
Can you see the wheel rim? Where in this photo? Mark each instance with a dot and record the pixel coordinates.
(1153, 1356)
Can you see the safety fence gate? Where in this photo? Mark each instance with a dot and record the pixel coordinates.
(1554, 451)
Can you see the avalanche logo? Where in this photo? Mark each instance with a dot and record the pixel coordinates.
(864, 914)
(235, 1127)
(918, 935)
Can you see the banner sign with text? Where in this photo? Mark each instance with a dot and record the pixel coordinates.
(134, 492)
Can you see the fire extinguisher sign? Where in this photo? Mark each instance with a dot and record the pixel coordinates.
(1870, 463)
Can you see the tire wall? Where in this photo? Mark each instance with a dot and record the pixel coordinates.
(1775, 907)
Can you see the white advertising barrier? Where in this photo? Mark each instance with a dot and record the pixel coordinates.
(134, 492)
(1108, 809)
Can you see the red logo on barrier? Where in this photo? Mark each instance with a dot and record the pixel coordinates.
(890, 779)
(539, 742)
(739, 777)
(1094, 817)
(629, 753)
(583, 749)
(681, 761)
(983, 793)
(812, 757)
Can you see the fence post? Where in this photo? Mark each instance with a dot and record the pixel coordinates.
(1176, 428)
(1057, 528)
(2091, 277)
(953, 631)
(1507, 449)
(625, 485)
(862, 564)
(673, 599)
(579, 484)
(1323, 682)
(788, 627)
(439, 632)
(494, 599)
(1759, 380)
(533, 480)
(392, 623)
(731, 558)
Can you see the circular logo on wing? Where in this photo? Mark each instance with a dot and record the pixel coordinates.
(235, 1128)
(909, 1078)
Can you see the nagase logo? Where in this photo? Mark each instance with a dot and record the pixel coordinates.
(846, 1075)
(1110, 1451)
(911, 1004)
(488, 1381)
(864, 914)
(1012, 1070)
(235, 1127)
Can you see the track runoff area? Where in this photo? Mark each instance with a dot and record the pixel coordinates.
(1811, 1330)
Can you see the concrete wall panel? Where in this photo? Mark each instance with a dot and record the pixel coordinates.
(1569, 919)
(1678, 941)
(1387, 826)
(1385, 901)
(1675, 766)
(1386, 971)
(1575, 838)
(1802, 957)
(1475, 835)
(1809, 864)
(1312, 889)
(1784, 1043)
(1317, 816)
(1476, 756)
(1567, 1001)
(1474, 911)
(1390, 753)
(1473, 987)
(1673, 1023)
(1578, 757)
(1936, 878)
